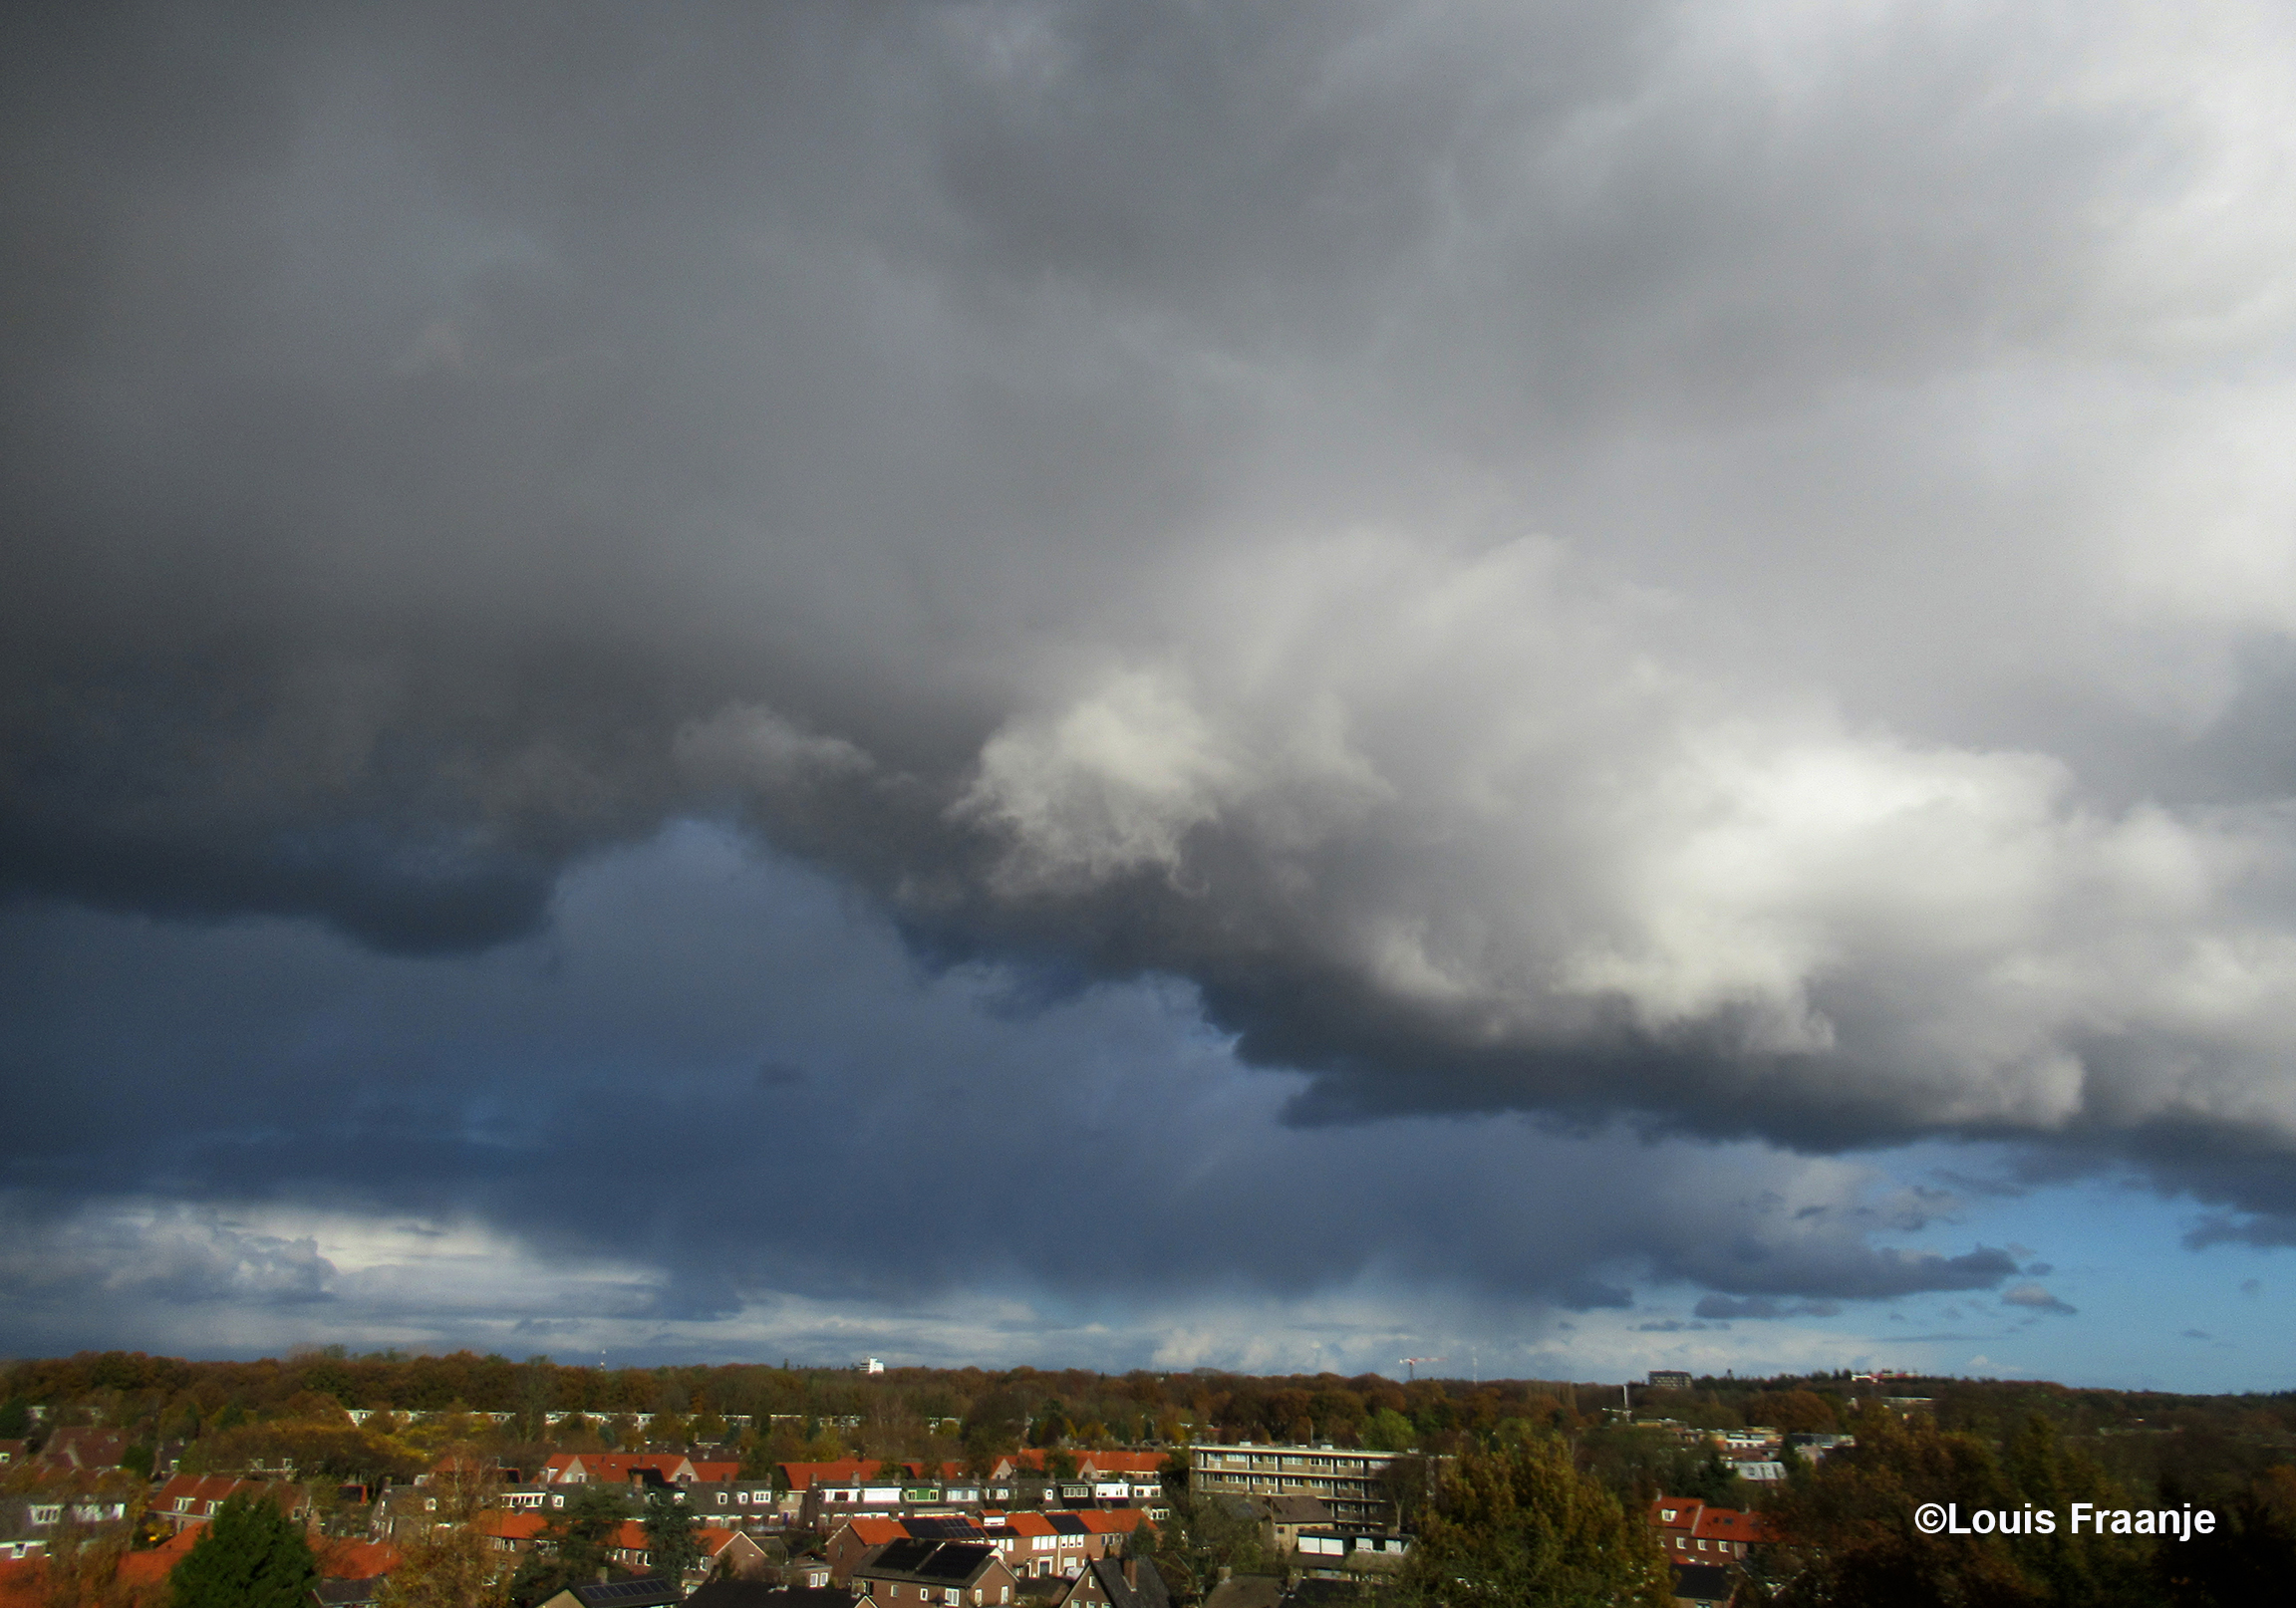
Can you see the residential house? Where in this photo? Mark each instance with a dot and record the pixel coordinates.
(80, 1450)
(28, 1522)
(919, 1573)
(1117, 1583)
(1333, 1553)
(634, 1467)
(732, 1554)
(510, 1529)
(189, 1499)
(824, 1493)
(1693, 1531)
(1041, 1545)
(856, 1538)
(1282, 1519)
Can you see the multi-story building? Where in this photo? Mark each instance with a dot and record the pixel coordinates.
(1351, 1481)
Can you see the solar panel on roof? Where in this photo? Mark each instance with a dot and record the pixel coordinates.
(904, 1554)
(953, 1560)
(648, 1592)
(1068, 1524)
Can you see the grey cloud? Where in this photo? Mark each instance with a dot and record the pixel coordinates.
(2034, 1298)
(1761, 1306)
(175, 1258)
(1537, 560)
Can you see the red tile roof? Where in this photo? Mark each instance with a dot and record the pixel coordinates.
(1694, 1519)
(80, 1447)
(511, 1523)
(346, 1559)
(875, 1531)
(844, 1471)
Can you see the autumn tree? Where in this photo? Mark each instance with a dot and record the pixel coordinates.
(1523, 1526)
(82, 1570)
(451, 1564)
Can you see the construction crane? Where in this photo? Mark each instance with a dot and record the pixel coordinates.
(1411, 1365)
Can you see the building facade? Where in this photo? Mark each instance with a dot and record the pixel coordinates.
(1351, 1481)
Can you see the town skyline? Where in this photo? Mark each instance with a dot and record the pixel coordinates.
(1591, 687)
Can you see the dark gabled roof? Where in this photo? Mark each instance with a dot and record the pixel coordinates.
(1317, 1593)
(928, 1562)
(759, 1594)
(649, 1591)
(1246, 1591)
(1122, 1593)
(902, 1556)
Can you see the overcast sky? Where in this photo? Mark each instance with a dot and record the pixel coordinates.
(1594, 686)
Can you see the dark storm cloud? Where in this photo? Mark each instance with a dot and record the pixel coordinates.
(919, 1138)
(1069, 470)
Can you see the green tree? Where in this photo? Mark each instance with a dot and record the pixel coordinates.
(573, 1550)
(671, 1542)
(1389, 1431)
(1203, 1535)
(1523, 1526)
(251, 1555)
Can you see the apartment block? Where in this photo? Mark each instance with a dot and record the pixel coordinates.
(1353, 1483)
